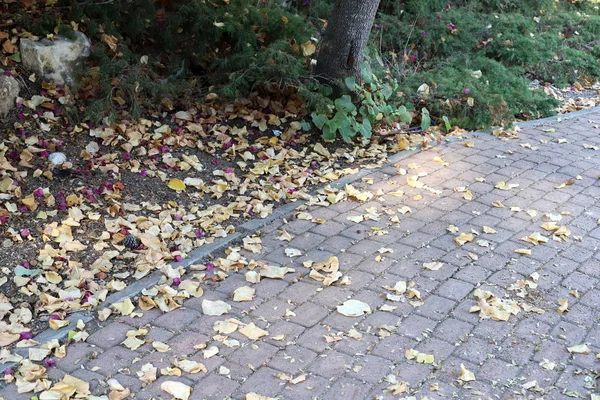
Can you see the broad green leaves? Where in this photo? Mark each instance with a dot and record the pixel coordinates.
(370, 104)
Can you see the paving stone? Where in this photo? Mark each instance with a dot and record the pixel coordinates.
(452, 330)
(112, 360)
(436, 307)
(454, 289)
(177, 319)
(347, 388)
(309, 314)
(214, 387)
(313, 338)
(439, 348)
(352, 347)
(394, 346)
(551, 350)
(331, 364)
(476, 350)
(289, 330)
(183, 344)
(310, 389)
(292, 360)
(263, 382)
(257, 354)
(331, 296)
(272, 310)
(77, 355)
(110, 335)
(498, 371)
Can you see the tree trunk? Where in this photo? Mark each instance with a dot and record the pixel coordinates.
(345, 39)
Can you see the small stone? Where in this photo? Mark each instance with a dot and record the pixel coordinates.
(130, 242)
(9, 90)
(57, 158)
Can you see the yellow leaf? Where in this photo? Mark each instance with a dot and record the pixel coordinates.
(506, 186)
(284, 19)
(489, 230)
(465, 374)
(176, 184)
(523, 251)
(564, 305)
(463, 238)
(308, 49)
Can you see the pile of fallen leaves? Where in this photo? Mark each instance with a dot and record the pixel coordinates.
(174, 182)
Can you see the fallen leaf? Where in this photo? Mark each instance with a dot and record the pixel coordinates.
(354, 308)
(253, 332)
(463, 238)
(579, 349)
(244, 293)
(489, 230)
(178, 390)
(465, 374)
(564, 305)
(506, 186)
(523, 251)
(397, 388)
(433, 266)
(176, 185)
(215, 308)
(273, 272)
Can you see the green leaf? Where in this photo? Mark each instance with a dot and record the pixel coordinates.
(447, 123)
(403, 114)
(22, 271)
(425, 119)
(71, 335)
(305, 125)
(366, 130)
(329, 131)
(347, 131)
(319, 120)
(386, 91)
(366, 73)
(16, 57)
(344, 103)
(350, 83)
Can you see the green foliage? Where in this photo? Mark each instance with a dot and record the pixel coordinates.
(477, 57)
(511, 42)
(231, 48)
(373, 105)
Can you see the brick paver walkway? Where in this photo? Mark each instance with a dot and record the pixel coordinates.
(526, 357)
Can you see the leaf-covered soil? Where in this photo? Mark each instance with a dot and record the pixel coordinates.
(174, 181)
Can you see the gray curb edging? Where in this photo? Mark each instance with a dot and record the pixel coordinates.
(255, 225)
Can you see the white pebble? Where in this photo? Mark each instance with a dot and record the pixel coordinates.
(57, 158)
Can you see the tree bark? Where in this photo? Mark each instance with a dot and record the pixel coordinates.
(345, 39)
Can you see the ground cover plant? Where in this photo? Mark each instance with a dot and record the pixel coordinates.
(471, 61)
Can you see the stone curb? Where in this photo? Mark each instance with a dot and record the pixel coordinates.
(252, 226)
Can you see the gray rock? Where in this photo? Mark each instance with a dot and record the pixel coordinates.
(9, 90)
(56, 61)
